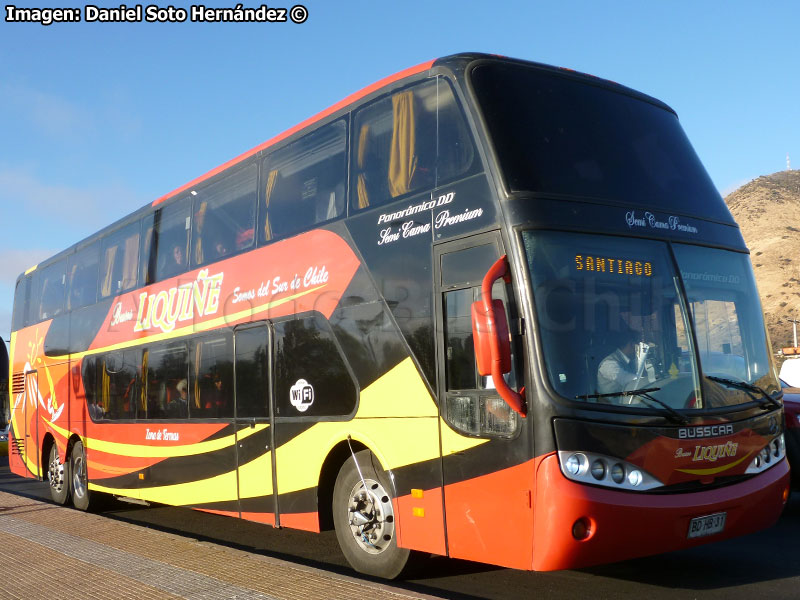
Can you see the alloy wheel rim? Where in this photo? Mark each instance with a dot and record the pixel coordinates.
(370, 515)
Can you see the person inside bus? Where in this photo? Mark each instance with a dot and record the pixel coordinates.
(617, 371)
(214, 398)
(179, 404)
(173, 263)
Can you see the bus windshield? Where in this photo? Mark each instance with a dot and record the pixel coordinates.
(554, 134)
(614, 322)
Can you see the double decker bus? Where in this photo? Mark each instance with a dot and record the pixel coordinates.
(484, 308)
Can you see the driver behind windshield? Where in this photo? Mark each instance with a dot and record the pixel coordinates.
(618, 369)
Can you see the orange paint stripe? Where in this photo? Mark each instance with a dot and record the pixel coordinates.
(351, 99)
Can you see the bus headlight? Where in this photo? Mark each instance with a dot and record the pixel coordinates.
(576, 464)
(769, 455)
(635, 477)
(598, 469)
(617, 473)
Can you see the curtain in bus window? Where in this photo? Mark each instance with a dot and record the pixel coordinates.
(147, 255)
(129, 264)
(402, 160)
(198, 357)
(199, 221)
(142, 412)
(105, 396)
(108, 268)
(273, 176)
(363, 137)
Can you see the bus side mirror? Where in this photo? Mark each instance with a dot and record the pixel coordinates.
(491, 339)
(482, 335)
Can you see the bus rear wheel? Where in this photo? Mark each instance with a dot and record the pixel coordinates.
(57, 476)
(79, 480)
(363, 517)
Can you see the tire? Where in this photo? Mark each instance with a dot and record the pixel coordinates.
(364, 522)
(82, 498)
(58, 476)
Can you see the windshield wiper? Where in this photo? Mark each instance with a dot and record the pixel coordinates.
(673, 414)
(748, 387)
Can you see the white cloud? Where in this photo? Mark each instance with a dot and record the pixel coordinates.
(49, 113)
(28, 202)
(14, 262)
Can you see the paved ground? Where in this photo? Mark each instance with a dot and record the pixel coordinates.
(52, 552)
(131, 551)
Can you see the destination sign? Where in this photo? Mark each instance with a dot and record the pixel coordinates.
(618, 266)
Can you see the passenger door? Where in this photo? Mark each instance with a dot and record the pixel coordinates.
(253, 422)
(488, 486)
(31, 419)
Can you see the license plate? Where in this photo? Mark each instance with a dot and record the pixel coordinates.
(708, 525)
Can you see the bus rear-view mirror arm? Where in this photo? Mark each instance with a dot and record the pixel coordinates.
(491, 338)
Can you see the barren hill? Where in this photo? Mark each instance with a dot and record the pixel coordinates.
(768, 212)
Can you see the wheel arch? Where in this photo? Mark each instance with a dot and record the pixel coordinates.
(44, 457)
(331, 466)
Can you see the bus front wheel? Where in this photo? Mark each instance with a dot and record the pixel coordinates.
(363, 517)
(57, 476)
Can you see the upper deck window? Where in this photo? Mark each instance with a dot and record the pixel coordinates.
(82, 275)
(165, 243)
(119, 259)
(225, 216)
(304, 183)
(558, 135)
(413, 140)
(49, 285)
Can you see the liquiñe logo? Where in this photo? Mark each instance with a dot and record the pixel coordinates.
(301, 395)
(180, 303)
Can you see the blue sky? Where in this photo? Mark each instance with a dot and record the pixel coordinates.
(98, 119)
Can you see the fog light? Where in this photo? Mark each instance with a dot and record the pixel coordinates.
(618, 473)
(598, 469)
(635, 477)
(581, 529)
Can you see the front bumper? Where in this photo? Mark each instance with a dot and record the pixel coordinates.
(625, 525)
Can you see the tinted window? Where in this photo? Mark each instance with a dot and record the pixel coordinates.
(166, 369)
(556, 134)
(211, 393)
(119, 259)
(304, 183)
(410, 141)
(252, 399)
(49, 285)
(117, 389)
(225, 217)
(165, 243)
(468, 266)
(82, 275)
(311, 378)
